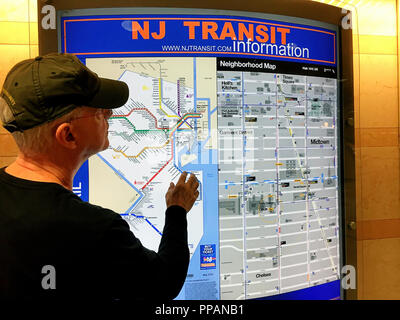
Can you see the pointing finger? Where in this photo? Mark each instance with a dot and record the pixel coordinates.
(182, 178)
(196, 184)
(192, 180)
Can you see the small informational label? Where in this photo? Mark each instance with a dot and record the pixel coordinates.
(208, 257)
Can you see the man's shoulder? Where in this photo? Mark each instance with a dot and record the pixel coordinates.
(73, 205)
(88, 221)
(51, 202)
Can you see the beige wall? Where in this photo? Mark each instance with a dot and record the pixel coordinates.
(18, 41)
(377, 150)
(376, 125)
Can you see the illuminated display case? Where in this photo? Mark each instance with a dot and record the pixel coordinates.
(253, 103)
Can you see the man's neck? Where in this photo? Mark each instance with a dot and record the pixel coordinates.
(41, 171)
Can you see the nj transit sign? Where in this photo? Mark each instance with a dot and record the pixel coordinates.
(197, 35)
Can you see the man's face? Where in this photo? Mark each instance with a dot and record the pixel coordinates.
(92, 129)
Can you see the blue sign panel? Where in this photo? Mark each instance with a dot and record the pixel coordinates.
(81, 182)
(197, 35)
(327, 291)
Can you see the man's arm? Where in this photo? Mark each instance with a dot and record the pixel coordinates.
(139, 273)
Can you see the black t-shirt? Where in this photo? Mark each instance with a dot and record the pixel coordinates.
(94, 254)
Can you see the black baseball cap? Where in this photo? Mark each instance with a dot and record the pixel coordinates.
(45, 88)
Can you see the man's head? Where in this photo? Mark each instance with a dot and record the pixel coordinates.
(56, 99)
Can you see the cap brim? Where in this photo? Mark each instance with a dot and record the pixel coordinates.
(111, 94)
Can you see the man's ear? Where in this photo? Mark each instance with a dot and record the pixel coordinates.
(65, 136)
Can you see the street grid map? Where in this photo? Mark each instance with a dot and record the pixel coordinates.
(278, 191)
(266, 141)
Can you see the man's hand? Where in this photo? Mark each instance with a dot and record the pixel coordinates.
(184, 193)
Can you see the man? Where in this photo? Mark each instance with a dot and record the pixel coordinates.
(52, 244)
